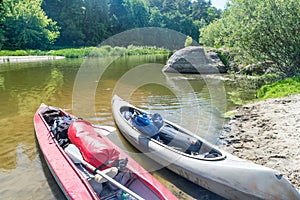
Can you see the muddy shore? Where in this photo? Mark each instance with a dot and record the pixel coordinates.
(267, 133)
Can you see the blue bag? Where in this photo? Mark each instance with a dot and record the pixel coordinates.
(144, 125)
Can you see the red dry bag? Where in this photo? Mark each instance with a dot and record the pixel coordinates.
(95, 149)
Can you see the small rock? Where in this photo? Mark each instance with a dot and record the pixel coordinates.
(238, 115)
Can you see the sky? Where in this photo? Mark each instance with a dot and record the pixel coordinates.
(220, 4)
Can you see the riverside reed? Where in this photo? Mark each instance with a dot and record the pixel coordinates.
(89, 51)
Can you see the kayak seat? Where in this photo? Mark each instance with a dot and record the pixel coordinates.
(178, 140)
(153, 126)
(127, 114)
(144, 125)
(141, 121)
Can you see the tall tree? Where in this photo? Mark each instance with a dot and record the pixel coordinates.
(26, 26)
(127, 14)
(95, 22)
(139, 11)
(118, 14)
(183, 15)
(70, 17)
(2, 19)
(82, 22)
(264, 31)
(155, 3)
(88, 22)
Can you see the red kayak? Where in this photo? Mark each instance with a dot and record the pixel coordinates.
(86, 164)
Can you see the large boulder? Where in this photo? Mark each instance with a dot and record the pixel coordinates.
(194, 60)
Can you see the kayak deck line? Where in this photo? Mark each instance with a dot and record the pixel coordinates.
(221, 173)
(123, 177)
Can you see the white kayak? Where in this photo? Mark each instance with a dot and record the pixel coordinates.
(198, 160)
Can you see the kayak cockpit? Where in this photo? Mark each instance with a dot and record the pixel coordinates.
(78, 140)
(166, 133)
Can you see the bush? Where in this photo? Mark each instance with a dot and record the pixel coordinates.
(260, 31)
(118, 51)
(280, 88)
(107, 48)
(211, 35)
(99, 52)
(89, 51)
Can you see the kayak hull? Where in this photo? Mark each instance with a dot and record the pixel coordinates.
(74, 183)
(70, 180)
(227, 176)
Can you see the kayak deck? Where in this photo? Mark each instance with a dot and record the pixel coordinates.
(224, 174)
(79, 182)
(172, 137)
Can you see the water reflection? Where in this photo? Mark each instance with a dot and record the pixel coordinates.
(22, 183)
(2, 82)
(23, 94)
(23, 87)
(195, 102)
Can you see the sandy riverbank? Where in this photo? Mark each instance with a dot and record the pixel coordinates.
(16, 59)
(268, 133)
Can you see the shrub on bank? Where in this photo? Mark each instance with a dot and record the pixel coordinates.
(89, 51)
(281, 88)
(71, 52)
(13, 53)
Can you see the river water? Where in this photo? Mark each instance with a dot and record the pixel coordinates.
(85, 87)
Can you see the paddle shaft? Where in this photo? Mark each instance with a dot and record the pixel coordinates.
(106, 130)
(107, 177)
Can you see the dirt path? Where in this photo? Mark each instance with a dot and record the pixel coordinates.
(268, 133)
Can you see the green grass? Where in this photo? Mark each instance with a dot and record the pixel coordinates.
(13, 53)
(89, 51)
(71, 52)
(281, 88)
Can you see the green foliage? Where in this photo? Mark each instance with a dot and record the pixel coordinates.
(211, 35)
(83, 23)
(13, 53)
(280, 88)
(2, 38)
(89, 22)
(224, 57)
(139, 12)
(71, 52)
(202, 10)
(22, 53)
(107, 48)
(143, 50)
(260, 31)
(188, 41)
(118, 51)
(99, 52)
(118, 13)
(182, 15)
(25, 25)
(127, 14)
(89, 51)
